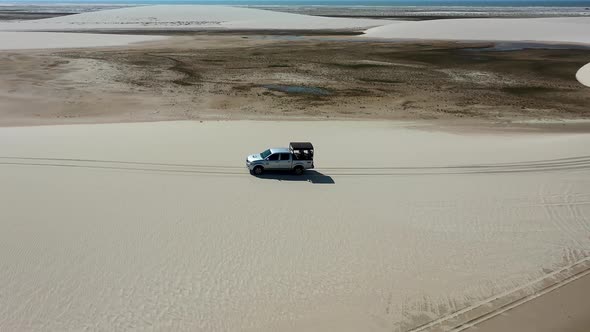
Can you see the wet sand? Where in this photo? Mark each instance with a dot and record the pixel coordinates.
(13, 15)
(228, 77)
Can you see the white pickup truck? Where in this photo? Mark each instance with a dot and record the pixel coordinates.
(297, 158)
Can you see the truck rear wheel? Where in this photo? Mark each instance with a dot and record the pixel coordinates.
(258, 170)
(298, 170)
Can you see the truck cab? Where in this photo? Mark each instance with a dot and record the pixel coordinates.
(297, 158)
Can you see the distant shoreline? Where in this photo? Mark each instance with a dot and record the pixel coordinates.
(323, 3)
(403, 10)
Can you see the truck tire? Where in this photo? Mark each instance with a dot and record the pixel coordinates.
(298, 170)
(258, 170)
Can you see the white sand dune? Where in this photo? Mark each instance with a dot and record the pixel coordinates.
(560, 30)
(158, 226)
(583, 75)
(191, 17)
(44, 40)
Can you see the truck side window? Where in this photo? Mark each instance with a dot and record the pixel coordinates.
(285, 156)
(274, 157)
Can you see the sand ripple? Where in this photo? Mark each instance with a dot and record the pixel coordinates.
(151, 227)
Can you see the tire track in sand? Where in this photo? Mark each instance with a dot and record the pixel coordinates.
(572, 163)
(470, 316)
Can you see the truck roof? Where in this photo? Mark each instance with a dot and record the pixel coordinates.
(301, 146)
(279, 150)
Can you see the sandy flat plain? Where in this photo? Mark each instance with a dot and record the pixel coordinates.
(189, 17)
(570, 29)
(159, 226)
(48, 40)
(403, 226)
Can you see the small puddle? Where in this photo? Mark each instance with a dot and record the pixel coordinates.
(298, 89)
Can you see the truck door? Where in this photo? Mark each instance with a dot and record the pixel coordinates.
(273, 162)
(285, 162)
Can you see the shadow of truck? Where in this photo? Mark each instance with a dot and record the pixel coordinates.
(308, 176)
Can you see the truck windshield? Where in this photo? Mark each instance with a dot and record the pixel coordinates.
(265, 154)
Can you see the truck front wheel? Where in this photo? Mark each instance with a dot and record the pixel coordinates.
(298, 170)
(258, 170)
